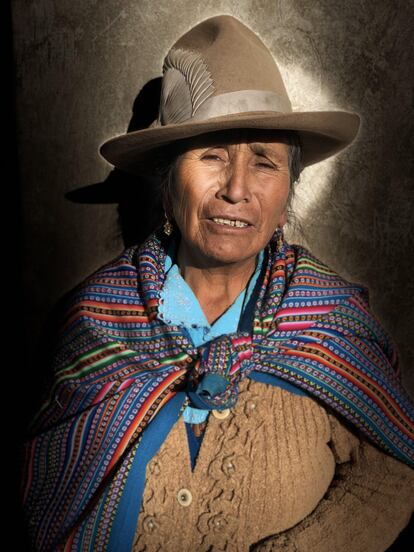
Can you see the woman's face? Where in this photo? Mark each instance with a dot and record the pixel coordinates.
(240, 176)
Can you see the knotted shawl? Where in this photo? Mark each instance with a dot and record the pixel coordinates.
(116, 365)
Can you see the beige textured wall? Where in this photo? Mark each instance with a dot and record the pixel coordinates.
(80, 65)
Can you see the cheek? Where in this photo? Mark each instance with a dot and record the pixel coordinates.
(273, 201)
(188, 198)
(182, 207)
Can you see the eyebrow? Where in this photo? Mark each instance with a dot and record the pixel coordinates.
(256, 147)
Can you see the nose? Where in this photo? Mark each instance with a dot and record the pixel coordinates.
(235, 186)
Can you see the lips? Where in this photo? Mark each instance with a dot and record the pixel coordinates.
(232, 217)
(235, 227)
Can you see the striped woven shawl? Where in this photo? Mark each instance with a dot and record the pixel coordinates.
(116, 365)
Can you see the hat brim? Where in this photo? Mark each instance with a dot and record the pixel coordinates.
(322, 134)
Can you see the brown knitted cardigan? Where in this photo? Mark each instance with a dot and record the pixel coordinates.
(280, 472)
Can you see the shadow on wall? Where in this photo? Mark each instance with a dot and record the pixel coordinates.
(139, 211)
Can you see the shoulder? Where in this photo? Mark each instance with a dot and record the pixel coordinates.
(344, 304)
(318, 279)
(123, 264)
(121, 270)
(114, 282)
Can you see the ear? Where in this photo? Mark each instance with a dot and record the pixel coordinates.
(283, 218)
(166, 203)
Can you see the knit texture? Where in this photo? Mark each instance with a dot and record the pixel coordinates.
(259, 471)
(266, 468)
(116, 365)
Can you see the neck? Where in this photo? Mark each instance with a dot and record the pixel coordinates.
(216, 286)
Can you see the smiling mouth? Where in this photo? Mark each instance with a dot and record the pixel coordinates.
(228, 222)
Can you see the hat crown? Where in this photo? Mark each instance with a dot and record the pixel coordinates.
(222, 67)
(235, 55)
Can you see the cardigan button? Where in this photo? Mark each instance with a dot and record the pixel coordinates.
(250, 408)
(228, 466)
(221, 414)
(184, 497)
(149, 524)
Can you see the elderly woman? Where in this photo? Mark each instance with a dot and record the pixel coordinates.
(215, 387)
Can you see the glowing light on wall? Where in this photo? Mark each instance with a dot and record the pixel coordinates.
(307, 93)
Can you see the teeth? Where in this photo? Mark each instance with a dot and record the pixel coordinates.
(237, 223)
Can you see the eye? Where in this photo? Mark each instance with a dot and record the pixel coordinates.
(212, 156)
(263, 161)
(266, 165)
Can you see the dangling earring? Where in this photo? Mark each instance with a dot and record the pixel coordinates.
(279, 235)
(168, 227)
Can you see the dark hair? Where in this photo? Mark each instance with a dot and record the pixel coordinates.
(160, 168)
(295, 162)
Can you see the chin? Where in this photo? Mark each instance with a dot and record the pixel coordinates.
(227, 251)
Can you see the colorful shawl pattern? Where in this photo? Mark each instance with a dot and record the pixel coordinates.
(116, 365)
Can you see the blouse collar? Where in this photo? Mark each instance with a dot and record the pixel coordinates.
(180, 306)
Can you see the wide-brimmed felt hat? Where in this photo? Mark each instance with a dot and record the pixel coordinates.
(220, 75)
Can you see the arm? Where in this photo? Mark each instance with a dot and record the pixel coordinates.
(367, 505)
